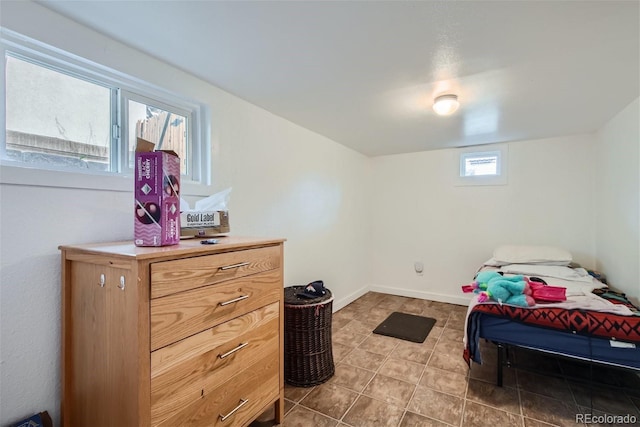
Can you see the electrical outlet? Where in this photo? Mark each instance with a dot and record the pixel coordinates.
(419, 267)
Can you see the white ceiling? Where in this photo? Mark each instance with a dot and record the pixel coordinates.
(364, 73)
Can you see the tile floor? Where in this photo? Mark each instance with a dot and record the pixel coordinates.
(383, 381)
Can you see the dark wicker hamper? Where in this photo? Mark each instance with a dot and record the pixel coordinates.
(308, 354)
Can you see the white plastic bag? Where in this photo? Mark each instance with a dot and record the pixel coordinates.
(215, 202)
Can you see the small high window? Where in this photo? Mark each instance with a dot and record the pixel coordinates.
(480, 164)
(486, 167)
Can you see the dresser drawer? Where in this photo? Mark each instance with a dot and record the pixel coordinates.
(184, 372)
(178, 316)
(235, 402)
(170, 277)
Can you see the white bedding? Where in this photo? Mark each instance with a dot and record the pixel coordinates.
(578, 283)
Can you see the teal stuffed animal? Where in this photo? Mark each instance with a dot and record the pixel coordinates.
(513, 290)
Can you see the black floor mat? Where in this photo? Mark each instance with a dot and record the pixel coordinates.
(405, 326)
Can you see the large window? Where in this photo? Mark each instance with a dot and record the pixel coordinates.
(66, 114)
(53, 118)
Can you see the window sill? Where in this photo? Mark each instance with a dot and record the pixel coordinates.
(501, 151)
(481, 180)
(32, 177)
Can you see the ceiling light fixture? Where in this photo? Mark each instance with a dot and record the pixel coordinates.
(444, 105)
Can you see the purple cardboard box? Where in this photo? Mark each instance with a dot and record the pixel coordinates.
(157, 196)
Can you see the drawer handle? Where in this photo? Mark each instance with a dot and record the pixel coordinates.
(229, 267)
(230, 352)
(242, 403)
(231, 301)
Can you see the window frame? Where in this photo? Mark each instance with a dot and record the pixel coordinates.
(501, 176)
(124, 87)
(480, 154)
(126, 96)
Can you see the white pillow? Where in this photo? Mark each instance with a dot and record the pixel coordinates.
(545, 270)
(524, 254)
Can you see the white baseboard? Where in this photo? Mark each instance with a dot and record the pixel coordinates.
(342, 302)
(432, 296)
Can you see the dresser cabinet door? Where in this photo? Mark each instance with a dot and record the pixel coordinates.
(101, 380)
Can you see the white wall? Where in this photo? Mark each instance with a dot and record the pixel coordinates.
(349, 220)
(618, 201)
(287, 182)
(421, 215)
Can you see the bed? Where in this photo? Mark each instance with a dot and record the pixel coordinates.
(594, 324)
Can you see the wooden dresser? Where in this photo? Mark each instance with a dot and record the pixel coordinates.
(183, 335)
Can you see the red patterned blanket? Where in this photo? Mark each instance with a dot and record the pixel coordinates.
(592, 323)
(580, 321)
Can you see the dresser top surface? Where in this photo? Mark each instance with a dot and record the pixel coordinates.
(185, 248)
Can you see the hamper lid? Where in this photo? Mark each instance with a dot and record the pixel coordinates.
(292, 297)
(313, 290)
